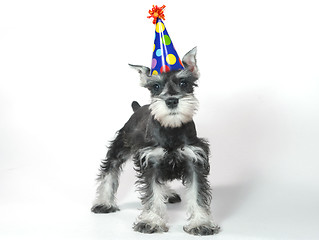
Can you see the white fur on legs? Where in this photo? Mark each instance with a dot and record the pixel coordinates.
(105, 193)
(200, 220)
(153, 217)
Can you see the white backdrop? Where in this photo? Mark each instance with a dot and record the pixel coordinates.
(66, 88)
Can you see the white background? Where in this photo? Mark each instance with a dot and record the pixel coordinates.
(66, 88)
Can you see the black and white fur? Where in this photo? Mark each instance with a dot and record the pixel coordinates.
(162, 141)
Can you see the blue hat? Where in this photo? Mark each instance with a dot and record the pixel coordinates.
(165, 57)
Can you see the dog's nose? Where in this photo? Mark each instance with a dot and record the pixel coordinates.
(172, 102)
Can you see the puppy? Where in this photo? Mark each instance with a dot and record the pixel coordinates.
(162, 141)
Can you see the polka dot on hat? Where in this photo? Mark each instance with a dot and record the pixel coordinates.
(158, 52)
(159, 27)
(165, 68)
(171, 59)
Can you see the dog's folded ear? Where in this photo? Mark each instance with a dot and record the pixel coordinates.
(143, 71)
(189, 62)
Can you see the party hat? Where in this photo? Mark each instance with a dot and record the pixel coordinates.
(165, 57)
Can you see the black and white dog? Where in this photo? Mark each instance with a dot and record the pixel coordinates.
(162, 141)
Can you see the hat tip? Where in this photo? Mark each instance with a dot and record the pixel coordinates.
(157, 13)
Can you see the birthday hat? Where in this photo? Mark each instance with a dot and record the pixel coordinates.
(165, 57)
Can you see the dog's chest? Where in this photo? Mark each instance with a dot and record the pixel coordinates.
(169, 164)
(167, 153)
(173, 138)
(172, 166)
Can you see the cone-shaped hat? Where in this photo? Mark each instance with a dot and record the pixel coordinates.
(165, 57)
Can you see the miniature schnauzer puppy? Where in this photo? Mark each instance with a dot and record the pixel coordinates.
(162, 141)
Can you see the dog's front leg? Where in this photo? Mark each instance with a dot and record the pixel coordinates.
(198, 193)
(153, 195)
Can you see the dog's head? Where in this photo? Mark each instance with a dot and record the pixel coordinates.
(173, 102)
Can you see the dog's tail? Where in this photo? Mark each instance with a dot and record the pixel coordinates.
(135, 105)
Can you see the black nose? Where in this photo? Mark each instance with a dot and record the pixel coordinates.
(172, 102)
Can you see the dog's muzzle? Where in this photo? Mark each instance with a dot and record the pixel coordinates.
(171, 102)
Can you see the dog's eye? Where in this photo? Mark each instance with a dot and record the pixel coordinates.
(183, 84)
(156, 87)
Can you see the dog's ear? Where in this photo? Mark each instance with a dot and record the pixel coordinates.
(189, 61)
(144, 73)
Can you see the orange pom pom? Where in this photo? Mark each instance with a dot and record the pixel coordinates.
(156, 12)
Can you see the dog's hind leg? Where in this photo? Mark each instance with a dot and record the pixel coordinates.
(170, 195)
(108, 180)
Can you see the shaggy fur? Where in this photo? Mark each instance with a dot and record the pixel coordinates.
(162, 141)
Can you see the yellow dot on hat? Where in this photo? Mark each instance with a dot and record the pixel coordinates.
(171, 59)
(159, 27)
(155, 72)
(153, 47)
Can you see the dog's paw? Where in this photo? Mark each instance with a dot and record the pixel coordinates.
(175, 198)
(143, 227)
(100, 208)
(202, 230)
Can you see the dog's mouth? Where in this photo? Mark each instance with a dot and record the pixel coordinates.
(173, 113)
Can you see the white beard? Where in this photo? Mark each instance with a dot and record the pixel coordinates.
(173, 118)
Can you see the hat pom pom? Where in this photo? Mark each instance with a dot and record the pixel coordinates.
(156, 12)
